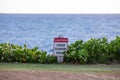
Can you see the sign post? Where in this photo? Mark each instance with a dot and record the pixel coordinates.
(60, 45)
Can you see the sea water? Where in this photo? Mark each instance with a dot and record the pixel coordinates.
(40, 29)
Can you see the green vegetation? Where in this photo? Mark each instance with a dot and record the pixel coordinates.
(14, 53)
(61, 67)
(94, 51)
(89, 52)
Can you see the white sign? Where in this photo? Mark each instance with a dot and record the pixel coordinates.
(60, 45)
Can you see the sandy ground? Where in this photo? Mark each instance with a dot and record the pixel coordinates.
(55, 75)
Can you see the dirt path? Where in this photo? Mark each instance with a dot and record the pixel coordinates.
(54, 75)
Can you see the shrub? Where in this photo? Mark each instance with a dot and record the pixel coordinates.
(76, 53)
(82, 56)
(114, 49)
(14, 53)
(51, 59)
(93, 51)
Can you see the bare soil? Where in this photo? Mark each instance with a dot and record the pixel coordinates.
(55, 75)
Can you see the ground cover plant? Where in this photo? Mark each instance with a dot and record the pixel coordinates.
(93, 51)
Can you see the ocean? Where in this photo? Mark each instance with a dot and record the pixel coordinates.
(40, 29)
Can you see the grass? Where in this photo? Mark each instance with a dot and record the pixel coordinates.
(61, 67)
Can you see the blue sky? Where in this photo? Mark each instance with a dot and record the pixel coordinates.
(60, 6)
